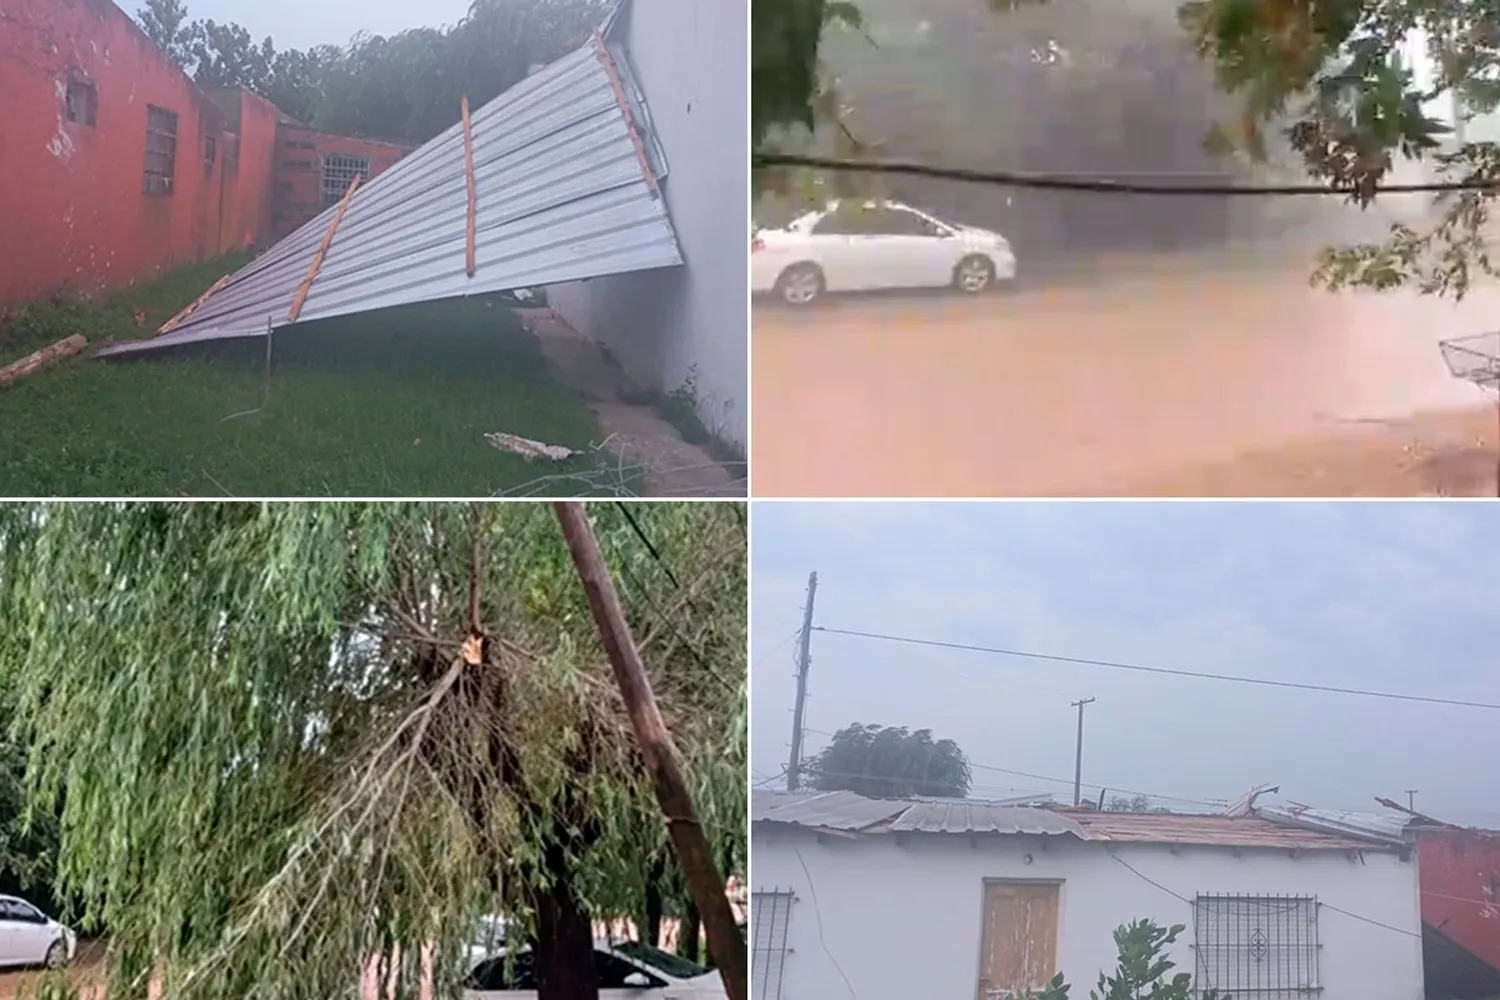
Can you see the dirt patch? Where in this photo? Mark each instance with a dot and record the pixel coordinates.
(1162, 373)
(635, 434)
(86, 971)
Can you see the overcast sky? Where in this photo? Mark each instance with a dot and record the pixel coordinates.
(1393, 596)
(300, 24)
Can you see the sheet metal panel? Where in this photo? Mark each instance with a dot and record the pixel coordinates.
(982, 817)
(829, 810)
(1389, 827)
(1210, 831)
(562, 196)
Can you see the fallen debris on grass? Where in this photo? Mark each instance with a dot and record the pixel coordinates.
(527, 448)
(38, 360)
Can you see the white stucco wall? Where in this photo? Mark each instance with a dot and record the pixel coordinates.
(690, 59)
(903, 922)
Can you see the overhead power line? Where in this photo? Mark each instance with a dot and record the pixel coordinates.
(1097, 185)
(1168, 671)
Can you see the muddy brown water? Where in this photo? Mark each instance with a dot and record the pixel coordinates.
(1072, 386)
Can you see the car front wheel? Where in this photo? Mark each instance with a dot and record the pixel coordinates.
(974, 274)
(800, 284)
(57, 955)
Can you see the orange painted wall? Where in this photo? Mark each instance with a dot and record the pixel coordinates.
(1460, 878)
(297, 197)
(72, 201)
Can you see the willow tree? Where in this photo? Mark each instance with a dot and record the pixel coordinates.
(289, 764)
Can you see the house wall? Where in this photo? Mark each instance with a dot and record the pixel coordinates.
(72, 202)
(249, 218)
(904, 921)
(675, 324)
(1460, 882)
(297, 176)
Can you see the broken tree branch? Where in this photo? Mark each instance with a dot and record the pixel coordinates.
(41, 359)
(725, 943)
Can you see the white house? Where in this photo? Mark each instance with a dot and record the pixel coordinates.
(870, 899)
(685, 328)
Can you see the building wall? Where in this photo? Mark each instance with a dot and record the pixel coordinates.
(902, 922)
(674, 324)
(249, 218)
(297, 176)
(1460, 882)
(72, 201)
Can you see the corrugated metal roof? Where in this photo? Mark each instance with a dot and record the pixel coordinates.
(1387, 827)
(1219, 831)
(982, 817)
(829, 810)
(561, 195)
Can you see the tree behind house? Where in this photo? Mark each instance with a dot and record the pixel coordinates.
(890, 762)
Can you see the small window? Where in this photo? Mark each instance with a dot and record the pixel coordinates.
(83, 102)
(770, 912)
(339, 172)
(161, 150)
(210, 151)
(1260, 946)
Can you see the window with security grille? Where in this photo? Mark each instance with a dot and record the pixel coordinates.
(770, 912)
(339, 172)
(1262, 947)
(161, 150)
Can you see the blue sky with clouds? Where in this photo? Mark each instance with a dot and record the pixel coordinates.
(1393, 596)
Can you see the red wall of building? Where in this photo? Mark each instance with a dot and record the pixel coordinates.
(71, 198)
(300, 151)
(249, 211)
(1460, 875)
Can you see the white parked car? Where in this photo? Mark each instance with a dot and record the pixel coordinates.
(626, 971)
(30, 937)
(854, 246)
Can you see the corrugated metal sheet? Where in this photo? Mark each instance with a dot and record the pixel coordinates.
(982, 817)
(1216, 831)
(1387, 827)
(830, 810)
(562, 195)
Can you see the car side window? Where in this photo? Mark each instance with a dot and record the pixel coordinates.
(613, 972)
(7, 910)
(909, 224)
(836, 224)
(27, 912)
(494, 975)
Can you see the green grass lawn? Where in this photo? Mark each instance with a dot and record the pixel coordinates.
(394, 403)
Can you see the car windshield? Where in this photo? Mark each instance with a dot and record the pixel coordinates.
(672, 965)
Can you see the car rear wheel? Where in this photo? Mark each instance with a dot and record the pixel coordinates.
(974, 274)
(57, 955)
(800, 284)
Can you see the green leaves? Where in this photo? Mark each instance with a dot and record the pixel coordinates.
(277, 767)
(890, 762)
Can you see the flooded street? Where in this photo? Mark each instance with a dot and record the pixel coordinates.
(1090, 387)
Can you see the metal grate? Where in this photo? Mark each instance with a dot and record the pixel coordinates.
(161, 150)
(770, 911)
(1265, 946)
(339, 172)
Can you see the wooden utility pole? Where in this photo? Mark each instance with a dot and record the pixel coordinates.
(1411, 799)
(725, 943)
(1078, 755)
(804, 661)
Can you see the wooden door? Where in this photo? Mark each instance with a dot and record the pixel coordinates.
(1018, 940)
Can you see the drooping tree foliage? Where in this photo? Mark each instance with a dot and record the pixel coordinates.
(286, 758)
(403, 88)
(890, 762)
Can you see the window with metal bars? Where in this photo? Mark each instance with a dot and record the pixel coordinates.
(1265, 947)
(770, 912)
(161, 150)
(339, 172)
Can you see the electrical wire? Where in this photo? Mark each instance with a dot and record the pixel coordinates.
(1169, 671)
(1098, 185)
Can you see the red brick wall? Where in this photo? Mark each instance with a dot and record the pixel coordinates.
(1460, 873)
(249, 218)
(72, 201)
(297, 197)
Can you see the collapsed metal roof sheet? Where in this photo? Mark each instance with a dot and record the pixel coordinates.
(828, 810)
(565, 190)
(1209, 831)
(1386, 827)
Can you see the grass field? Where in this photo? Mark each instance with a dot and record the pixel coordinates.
(394, 403)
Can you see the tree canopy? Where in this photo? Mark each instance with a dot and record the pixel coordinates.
(1324, 79)
(284, 757)
(890, 762)
(402, 88)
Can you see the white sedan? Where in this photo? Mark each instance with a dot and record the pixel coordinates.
(626, 971)
(30, 937)
(849, 247)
